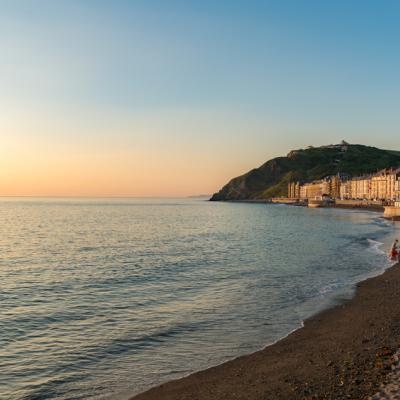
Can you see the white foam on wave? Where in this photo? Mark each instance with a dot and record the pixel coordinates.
(377, 248)
(374, 245)
(382, 222)
(326, 291)
(329, 288)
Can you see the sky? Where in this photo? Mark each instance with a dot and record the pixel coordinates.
(174, 98)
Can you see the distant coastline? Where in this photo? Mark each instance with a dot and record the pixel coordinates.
(199, 196)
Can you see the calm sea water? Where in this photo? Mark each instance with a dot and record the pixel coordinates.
(104, 298)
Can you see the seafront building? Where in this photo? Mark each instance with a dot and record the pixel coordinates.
(314, 190)
(294, 190)
(382, 186)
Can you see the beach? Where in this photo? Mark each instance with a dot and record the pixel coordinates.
(346, 352)
(149, 305)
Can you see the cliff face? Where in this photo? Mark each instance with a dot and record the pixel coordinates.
(271, 178)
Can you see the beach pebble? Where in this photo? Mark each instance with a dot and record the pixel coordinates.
(391, 391)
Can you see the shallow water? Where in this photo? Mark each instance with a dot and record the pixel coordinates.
(104, 298)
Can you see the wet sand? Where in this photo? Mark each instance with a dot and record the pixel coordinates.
(346, 352)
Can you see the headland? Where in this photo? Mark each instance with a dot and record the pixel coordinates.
(343, 175)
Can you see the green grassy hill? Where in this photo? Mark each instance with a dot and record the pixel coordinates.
(271, 178)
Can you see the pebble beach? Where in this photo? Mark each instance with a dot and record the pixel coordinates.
(390, 390)
(350, 351)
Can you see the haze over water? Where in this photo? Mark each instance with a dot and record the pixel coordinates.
(105, 298)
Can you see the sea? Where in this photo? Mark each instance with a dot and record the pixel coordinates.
(105, 298)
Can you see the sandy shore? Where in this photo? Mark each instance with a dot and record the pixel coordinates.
(342, 353)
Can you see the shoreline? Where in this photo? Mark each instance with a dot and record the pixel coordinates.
(342, 352)
(377, 209)
(354, 207)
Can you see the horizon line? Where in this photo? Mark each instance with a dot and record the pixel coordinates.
(102, 197)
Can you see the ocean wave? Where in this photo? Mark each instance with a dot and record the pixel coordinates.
(381, 222)
(326, 289)
(375, 246)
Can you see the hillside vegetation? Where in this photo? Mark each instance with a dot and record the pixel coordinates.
(271, 178)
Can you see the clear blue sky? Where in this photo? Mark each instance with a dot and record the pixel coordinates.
(175, 97)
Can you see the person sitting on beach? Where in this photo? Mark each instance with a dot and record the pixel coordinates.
(394, 253)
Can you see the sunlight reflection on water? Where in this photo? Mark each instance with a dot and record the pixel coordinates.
(112, 296)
